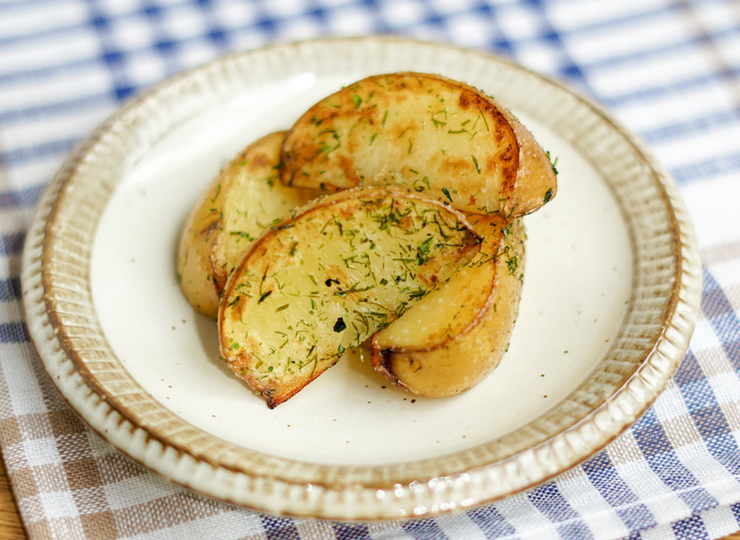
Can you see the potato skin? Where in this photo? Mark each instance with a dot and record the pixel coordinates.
(329, 277)
(241, 201)
(445, 367)
(427, 133)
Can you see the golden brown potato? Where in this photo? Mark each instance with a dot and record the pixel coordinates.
(253, 198)
(244, 199)
(455, 336)
(328, 278)
(194, 271)
(428, 133)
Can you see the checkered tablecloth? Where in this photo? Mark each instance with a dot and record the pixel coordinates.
(667, 69)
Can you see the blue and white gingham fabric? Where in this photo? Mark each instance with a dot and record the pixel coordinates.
(667, 69)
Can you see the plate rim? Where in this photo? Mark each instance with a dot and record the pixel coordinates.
(420, 494)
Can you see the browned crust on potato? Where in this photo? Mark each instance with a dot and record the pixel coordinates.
(361, 136)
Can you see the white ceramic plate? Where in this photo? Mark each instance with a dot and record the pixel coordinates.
(610, 299)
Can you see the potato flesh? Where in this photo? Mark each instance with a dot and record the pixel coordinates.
(425, 132)
(329, 278)
(454, 305)
(444, 364)
(253, 198)
(241, 201)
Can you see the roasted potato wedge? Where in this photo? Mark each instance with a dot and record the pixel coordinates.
(329, 277)
(253, 198)
(428, 133)
(456, 335)
(243, 200)
(194, 271)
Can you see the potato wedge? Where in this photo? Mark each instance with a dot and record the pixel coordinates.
(243, 200)
(194, 271)
(428, 133)
(455, 336)
(452, 306)
(253, 198)
(329, 277)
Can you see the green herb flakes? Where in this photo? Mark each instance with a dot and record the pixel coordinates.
(340, 325)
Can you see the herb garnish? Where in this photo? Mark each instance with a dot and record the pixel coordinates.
(423, 250)
(339, 325)
(242, 234)
(552, 163)
(548, 196)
